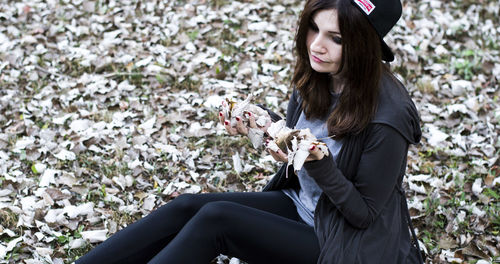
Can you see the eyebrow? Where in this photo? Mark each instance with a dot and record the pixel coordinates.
(331, 32)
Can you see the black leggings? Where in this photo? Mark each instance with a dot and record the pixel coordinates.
(260, 227)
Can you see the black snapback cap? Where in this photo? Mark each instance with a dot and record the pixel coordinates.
(383, 15)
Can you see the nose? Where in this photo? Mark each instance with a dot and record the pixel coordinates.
(317, 44)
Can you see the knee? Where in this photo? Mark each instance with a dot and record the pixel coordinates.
(186, 203)
(183, 205)
(216, 212)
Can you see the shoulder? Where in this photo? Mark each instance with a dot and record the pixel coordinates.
(396, 109)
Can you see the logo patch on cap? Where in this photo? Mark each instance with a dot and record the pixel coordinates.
(366, 5)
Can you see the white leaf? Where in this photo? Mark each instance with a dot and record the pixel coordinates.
(213, 101)
(273, 146)
(65, 155)
(62, 119)
(262, 26)
(79, 125)
(94, 236)
(476, 186)
(44, 251)
(125, 86)
(82, 209)
(23, 143)
(237, 163)
(435, 136)
(48, 177)
(256, 136)
(234, 261)
(144, 62)
(39, 167)
(460, 87)
(134, 164)
(147, 126)
(301, 154)
(5, 192)
(77, 243)
(149, 202)
(10, 246)
(417, 188)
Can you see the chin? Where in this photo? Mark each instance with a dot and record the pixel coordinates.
(320, 69)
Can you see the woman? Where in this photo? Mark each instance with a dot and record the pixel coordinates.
(345, 207)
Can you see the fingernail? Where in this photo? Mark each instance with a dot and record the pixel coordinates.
(313, 147)
(226, 123)
(220, 114)
(249, 114)
(238, 118)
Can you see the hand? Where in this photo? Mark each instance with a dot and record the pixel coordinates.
(314, 154)
(241, 128)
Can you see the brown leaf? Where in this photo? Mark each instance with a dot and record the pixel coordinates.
(447, 243)
(56, 194)
(492, 174)
(473, 250)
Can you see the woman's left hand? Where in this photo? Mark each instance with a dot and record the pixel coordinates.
(314, 154)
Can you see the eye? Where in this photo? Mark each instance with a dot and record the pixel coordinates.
(337, 40)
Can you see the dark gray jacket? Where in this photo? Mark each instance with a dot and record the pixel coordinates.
(360, 217)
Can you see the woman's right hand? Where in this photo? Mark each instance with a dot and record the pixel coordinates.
(241, 128)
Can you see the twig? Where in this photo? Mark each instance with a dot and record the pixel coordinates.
(109, 75)
(48, 72)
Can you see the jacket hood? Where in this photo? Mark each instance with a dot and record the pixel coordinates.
(396, 109)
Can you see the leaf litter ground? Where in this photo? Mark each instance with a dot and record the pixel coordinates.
(109, 110)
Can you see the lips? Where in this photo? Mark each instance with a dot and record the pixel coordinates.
(316, 59)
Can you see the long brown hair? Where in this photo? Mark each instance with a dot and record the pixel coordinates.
(359, 73)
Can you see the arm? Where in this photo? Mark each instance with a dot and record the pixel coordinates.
(360, 201)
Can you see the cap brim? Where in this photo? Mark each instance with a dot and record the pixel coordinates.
(387, 54)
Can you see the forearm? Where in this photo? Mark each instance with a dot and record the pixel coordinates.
(361, 196)
(341, 192)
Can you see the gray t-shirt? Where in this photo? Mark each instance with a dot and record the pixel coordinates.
(306, 198)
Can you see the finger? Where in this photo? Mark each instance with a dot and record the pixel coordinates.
(240, 126)
(275, 155)
(315, 153)
(221, 118)
(231, 130)
(266, 126)
(279, 155)
(251, 120)
(283, 155)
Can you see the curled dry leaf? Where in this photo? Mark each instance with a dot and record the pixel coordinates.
(294, 142)
(243, 110)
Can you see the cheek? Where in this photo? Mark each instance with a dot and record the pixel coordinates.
(337, 53)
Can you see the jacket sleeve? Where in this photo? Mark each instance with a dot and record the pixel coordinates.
(381, 163)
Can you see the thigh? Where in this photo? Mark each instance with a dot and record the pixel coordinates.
(253, 235)
(258, 236)
(145, 238)
(275, 202)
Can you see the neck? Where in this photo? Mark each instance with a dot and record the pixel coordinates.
(337, 85)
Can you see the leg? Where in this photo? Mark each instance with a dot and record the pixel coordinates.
(254, 235)
(143, 239)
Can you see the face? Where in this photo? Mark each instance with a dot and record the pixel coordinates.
(324, 42)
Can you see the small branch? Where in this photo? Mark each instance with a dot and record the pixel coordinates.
(109, 75)
(48, 72)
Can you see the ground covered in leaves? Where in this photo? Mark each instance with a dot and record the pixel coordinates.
(109, 110)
